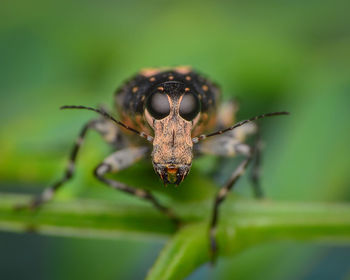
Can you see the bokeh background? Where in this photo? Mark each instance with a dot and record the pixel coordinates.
(270, 55)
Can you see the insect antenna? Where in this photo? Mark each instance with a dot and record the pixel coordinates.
(108, 116)
(204, 136)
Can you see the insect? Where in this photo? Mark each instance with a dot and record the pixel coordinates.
(167, 114)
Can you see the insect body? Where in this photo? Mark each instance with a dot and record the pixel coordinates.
(171, 110)
(169, 104)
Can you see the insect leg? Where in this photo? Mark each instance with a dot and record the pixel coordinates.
(227, 114)
(121, 160)
(255, 172)
(100, 126)
(220, 197)
(232, 144)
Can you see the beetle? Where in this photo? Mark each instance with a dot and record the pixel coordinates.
(173, 110)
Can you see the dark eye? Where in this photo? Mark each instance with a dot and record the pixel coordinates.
(158, 105)
(189, 107)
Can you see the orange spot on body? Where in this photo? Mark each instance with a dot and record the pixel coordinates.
(172, 170)
(205, 87)
(183, 69)
(148, 72)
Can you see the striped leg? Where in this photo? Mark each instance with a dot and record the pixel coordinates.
(121, 160)
(232, 144)
(255, 172)
(218, 200)
(99, 125)
(49, 192)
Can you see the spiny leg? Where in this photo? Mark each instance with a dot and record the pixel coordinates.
(49, 192)
(99, 125)
(232, 144)
(255, 172)
(121, 160)
(220, 197)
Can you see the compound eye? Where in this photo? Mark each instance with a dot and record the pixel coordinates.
(189, 106)
(158, 105)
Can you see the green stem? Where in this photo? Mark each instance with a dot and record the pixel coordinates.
(84, 218)
(243, 223)
(246, 224)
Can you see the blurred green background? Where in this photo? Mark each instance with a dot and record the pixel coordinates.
(271, 55)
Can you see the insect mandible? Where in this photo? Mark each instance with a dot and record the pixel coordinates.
(173, 110)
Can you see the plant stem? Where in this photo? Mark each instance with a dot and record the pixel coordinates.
(243, 223)
(82, 217)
